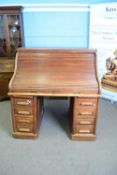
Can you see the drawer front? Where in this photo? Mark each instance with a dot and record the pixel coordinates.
(86, 102)
(84, 129)
(23, 127)
(23, 101)
(24, 119)
(23, 110)
(84, 122)
(85, 113)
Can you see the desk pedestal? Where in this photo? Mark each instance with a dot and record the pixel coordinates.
(26, 116)
(84, 118)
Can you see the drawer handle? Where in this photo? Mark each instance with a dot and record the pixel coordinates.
(84, 131)
(24, 129)
(87, 104)
(85, 123)
(28, 102)
(24, 112)
(24, 121)
(86, 113)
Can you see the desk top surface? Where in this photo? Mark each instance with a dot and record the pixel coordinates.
(55, 72)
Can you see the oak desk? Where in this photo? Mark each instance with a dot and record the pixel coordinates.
(59, 73)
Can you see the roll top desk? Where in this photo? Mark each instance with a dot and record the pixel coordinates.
(56, 73)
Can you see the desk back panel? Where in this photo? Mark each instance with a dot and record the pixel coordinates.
(55, 71)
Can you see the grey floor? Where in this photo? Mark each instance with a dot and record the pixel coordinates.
(53, 153)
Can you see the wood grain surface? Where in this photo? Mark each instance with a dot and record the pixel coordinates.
(55, 71)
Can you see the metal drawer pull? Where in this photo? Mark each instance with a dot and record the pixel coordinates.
(24, 129)
(28, 102)
(24, 121)
(24, 112)
(87, 104)
(84, 131)
(86, 113)
(85, 123)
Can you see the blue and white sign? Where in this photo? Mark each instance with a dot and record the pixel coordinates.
(103, 37)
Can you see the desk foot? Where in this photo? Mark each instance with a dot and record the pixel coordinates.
(83, 137)
(24, 135)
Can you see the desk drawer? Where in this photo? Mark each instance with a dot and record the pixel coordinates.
(85, 113)
(86, 102)
(86, 121)
(86, 106)
(24, 119)
(84, 129)
(23, 110)
(23, 127)
(23, 101)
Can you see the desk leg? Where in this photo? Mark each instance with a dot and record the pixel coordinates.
(26, 116)
(84, 118)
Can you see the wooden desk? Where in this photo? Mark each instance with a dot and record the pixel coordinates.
(59, 73)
